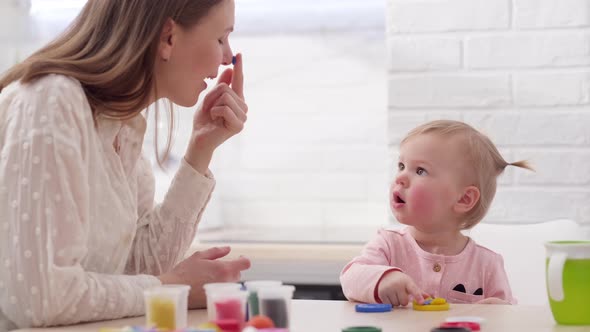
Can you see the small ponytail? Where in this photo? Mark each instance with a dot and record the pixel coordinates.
(522, 164)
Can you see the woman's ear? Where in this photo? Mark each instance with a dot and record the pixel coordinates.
(468, 199)
(167, 39)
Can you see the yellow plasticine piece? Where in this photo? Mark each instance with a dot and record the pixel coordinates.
(209, 326)
(438, 300)
(162, 313)
(437, 304)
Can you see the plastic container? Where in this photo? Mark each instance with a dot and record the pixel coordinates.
(212, 288)
(253, 286)
(227, 304)
(275, 303)
(166, 306)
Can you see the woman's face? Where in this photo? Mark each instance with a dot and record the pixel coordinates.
(187, 56)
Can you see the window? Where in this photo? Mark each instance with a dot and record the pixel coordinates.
(311, 164)
(50, 17)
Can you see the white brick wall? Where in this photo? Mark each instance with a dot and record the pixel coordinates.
(519, 70)
(418, 16)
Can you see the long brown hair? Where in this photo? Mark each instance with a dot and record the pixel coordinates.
(483, 160)
(111, 49)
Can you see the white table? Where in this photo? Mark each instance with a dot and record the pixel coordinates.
(324, 316)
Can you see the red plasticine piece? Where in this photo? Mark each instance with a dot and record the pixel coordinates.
(228, 325)
(470, 325)
(261, 322)
(230, 309)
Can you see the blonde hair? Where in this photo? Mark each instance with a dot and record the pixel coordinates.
(483, 159)
(111, 48)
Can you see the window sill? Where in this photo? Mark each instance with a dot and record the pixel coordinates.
(295, 262)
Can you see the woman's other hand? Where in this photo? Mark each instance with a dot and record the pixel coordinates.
(204, 267)
(221, 116)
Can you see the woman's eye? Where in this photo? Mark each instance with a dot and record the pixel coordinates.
(421, 171)
(400, 167)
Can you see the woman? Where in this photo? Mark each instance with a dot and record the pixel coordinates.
(80, 235)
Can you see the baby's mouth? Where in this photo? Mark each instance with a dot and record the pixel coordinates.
(398, 199)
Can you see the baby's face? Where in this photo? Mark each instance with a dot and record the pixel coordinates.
(428, 182)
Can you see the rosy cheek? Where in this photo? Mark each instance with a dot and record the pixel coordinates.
(422, 200)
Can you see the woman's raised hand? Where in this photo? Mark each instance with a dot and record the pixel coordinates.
(222, 115)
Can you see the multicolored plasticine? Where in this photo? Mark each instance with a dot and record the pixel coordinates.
(432, 304)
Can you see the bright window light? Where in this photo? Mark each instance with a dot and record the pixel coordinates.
(39, 7)
(51, 17)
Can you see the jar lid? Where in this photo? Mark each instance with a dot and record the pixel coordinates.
(373, 307)
(362, 329)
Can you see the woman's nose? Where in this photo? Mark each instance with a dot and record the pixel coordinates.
(228, 56)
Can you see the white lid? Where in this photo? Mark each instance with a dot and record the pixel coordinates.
(471, 319)
(276, 291)
(221, 285)
(168, 290)
(255, 285)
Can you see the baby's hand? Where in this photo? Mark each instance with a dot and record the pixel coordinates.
(397, 287)
(492, 300)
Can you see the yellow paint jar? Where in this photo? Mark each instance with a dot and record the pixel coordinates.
(166, 307)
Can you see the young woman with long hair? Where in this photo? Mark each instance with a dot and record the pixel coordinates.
(81, 237)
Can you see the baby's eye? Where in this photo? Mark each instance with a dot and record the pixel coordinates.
(220, 41)
(400, 166)
(421, 171)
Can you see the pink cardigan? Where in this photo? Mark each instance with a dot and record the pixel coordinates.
(473, 275)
